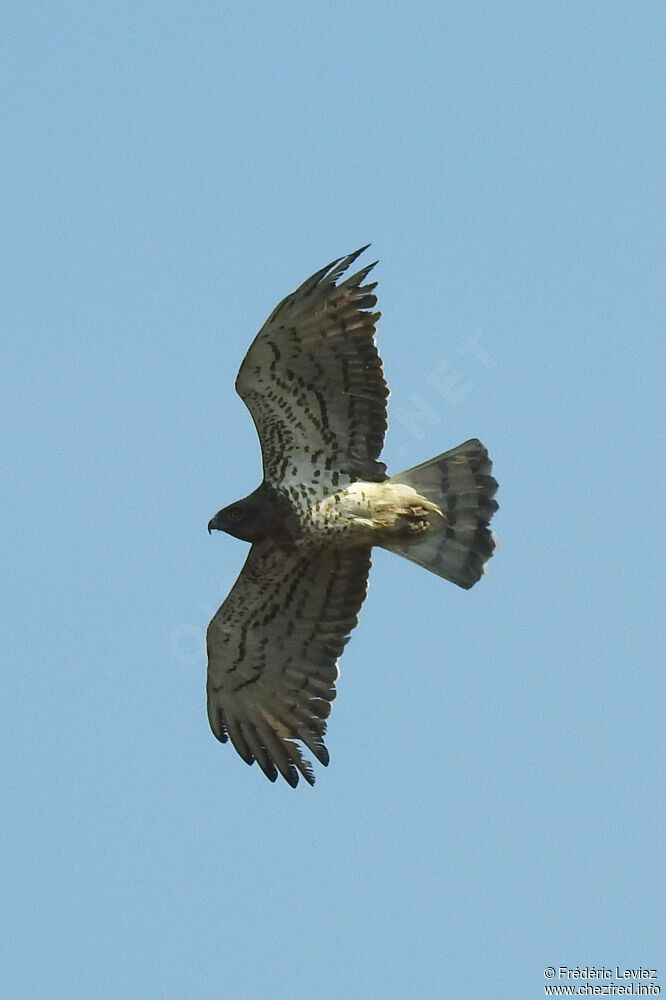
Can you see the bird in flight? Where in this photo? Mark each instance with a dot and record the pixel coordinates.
(313, 382)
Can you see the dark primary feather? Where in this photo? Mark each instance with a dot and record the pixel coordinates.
(314, 385)
(272, 652)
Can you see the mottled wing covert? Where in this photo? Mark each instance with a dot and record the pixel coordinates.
(272, 652)
(314, 385)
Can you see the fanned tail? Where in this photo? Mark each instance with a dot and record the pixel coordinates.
(458, 545)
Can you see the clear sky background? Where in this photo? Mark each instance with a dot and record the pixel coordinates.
(495, 799)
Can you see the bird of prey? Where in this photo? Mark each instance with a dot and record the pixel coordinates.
(313, 382)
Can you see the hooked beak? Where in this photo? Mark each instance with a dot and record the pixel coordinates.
(213, 525)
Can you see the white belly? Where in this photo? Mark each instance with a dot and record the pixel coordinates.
(366, 511)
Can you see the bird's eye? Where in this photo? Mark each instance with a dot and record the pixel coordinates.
(234, 514)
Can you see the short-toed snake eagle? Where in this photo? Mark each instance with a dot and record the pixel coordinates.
(313, 382)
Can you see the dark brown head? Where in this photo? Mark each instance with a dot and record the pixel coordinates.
(254, 518)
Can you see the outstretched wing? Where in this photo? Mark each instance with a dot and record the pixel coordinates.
(314, 385)
(272, 652)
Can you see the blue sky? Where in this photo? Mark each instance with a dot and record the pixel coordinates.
(495, 799)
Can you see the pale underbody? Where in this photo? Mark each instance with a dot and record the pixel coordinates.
(367, 513)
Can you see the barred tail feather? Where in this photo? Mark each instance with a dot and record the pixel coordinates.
(458, 545)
